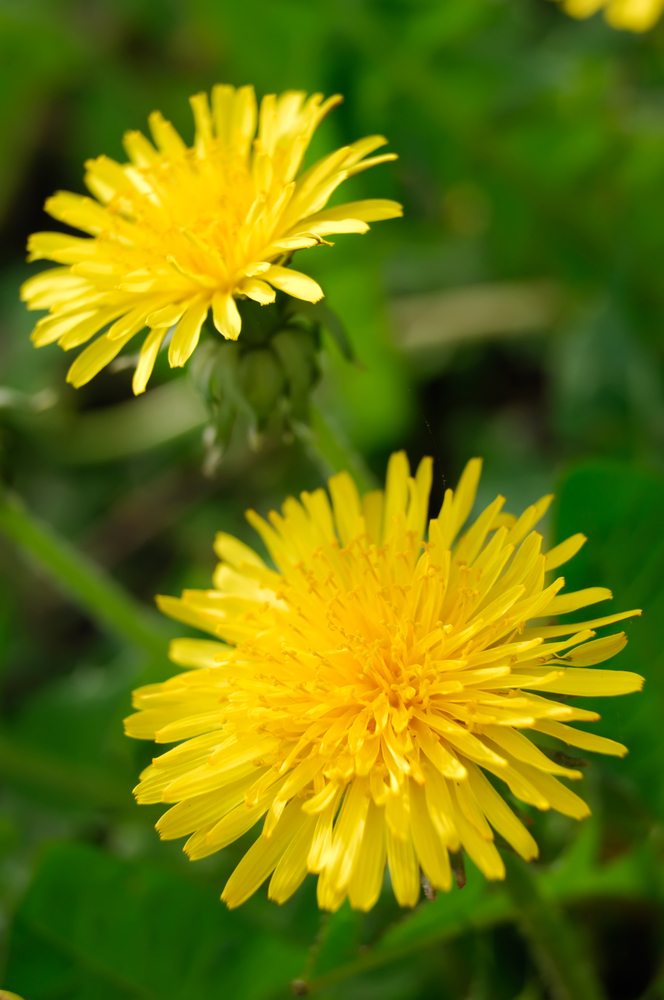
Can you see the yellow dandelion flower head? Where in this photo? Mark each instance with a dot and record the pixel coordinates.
(371, 694)
(626, 15)
(179, 230)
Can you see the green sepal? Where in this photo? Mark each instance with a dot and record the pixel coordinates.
(296, 350)
(321, 314)
(262, 381)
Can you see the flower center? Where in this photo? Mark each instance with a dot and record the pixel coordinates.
(195, 215)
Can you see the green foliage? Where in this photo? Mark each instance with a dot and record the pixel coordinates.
(530, 155)
(157, 935)
(620, 510)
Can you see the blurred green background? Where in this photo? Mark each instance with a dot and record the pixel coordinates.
(516, 312)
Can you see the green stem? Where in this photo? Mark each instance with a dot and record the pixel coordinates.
(330, 450)
(556, 946)
(77, 576)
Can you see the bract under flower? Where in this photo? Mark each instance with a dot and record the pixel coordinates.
(368, 693)
(178, 231)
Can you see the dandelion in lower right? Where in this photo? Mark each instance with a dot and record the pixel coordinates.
(373, 697)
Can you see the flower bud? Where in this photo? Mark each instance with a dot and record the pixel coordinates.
(262, 381)
(296, 350)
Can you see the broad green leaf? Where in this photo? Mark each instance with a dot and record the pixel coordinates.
(619, 508)
(93, 927)
(66, 743)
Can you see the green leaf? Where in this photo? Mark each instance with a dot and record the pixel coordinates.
(66, 742)
(619, 508)
(93, 927)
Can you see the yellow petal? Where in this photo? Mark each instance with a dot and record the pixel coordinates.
(500, 815)
(294, 283)
(187, 332)
(565, 603)
(404, 869)
(263, 855)
(193, 813)
(520, 746)
(596, 651)
(483, 852)
(257, 290)
(60, 247)
(165, 136)
(95, 357)
(396, 489)
(147, 358)
(184, 612)
(560, 797)
(592, 683)
(553, 631)
(226, 316)
(77, 211)
(52, 328)
(366, 880)
(369, 210)
(430, 849)
(565, 551)
(346, 503)
(581, 739)
(292, 866)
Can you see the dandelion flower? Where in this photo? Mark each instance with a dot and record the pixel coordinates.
(371, 695)
(627, 15)
(179, 230)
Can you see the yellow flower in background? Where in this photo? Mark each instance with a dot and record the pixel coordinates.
(179, 230)
(628, 15)
(365, 689)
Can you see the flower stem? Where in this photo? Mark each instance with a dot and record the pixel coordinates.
(556, 947)
(80, 579)
(329, 449)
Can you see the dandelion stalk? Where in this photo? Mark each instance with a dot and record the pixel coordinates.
(80, 579)
(331, 452)
(556, 946)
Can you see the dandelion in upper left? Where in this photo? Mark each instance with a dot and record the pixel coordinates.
(180, 230)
